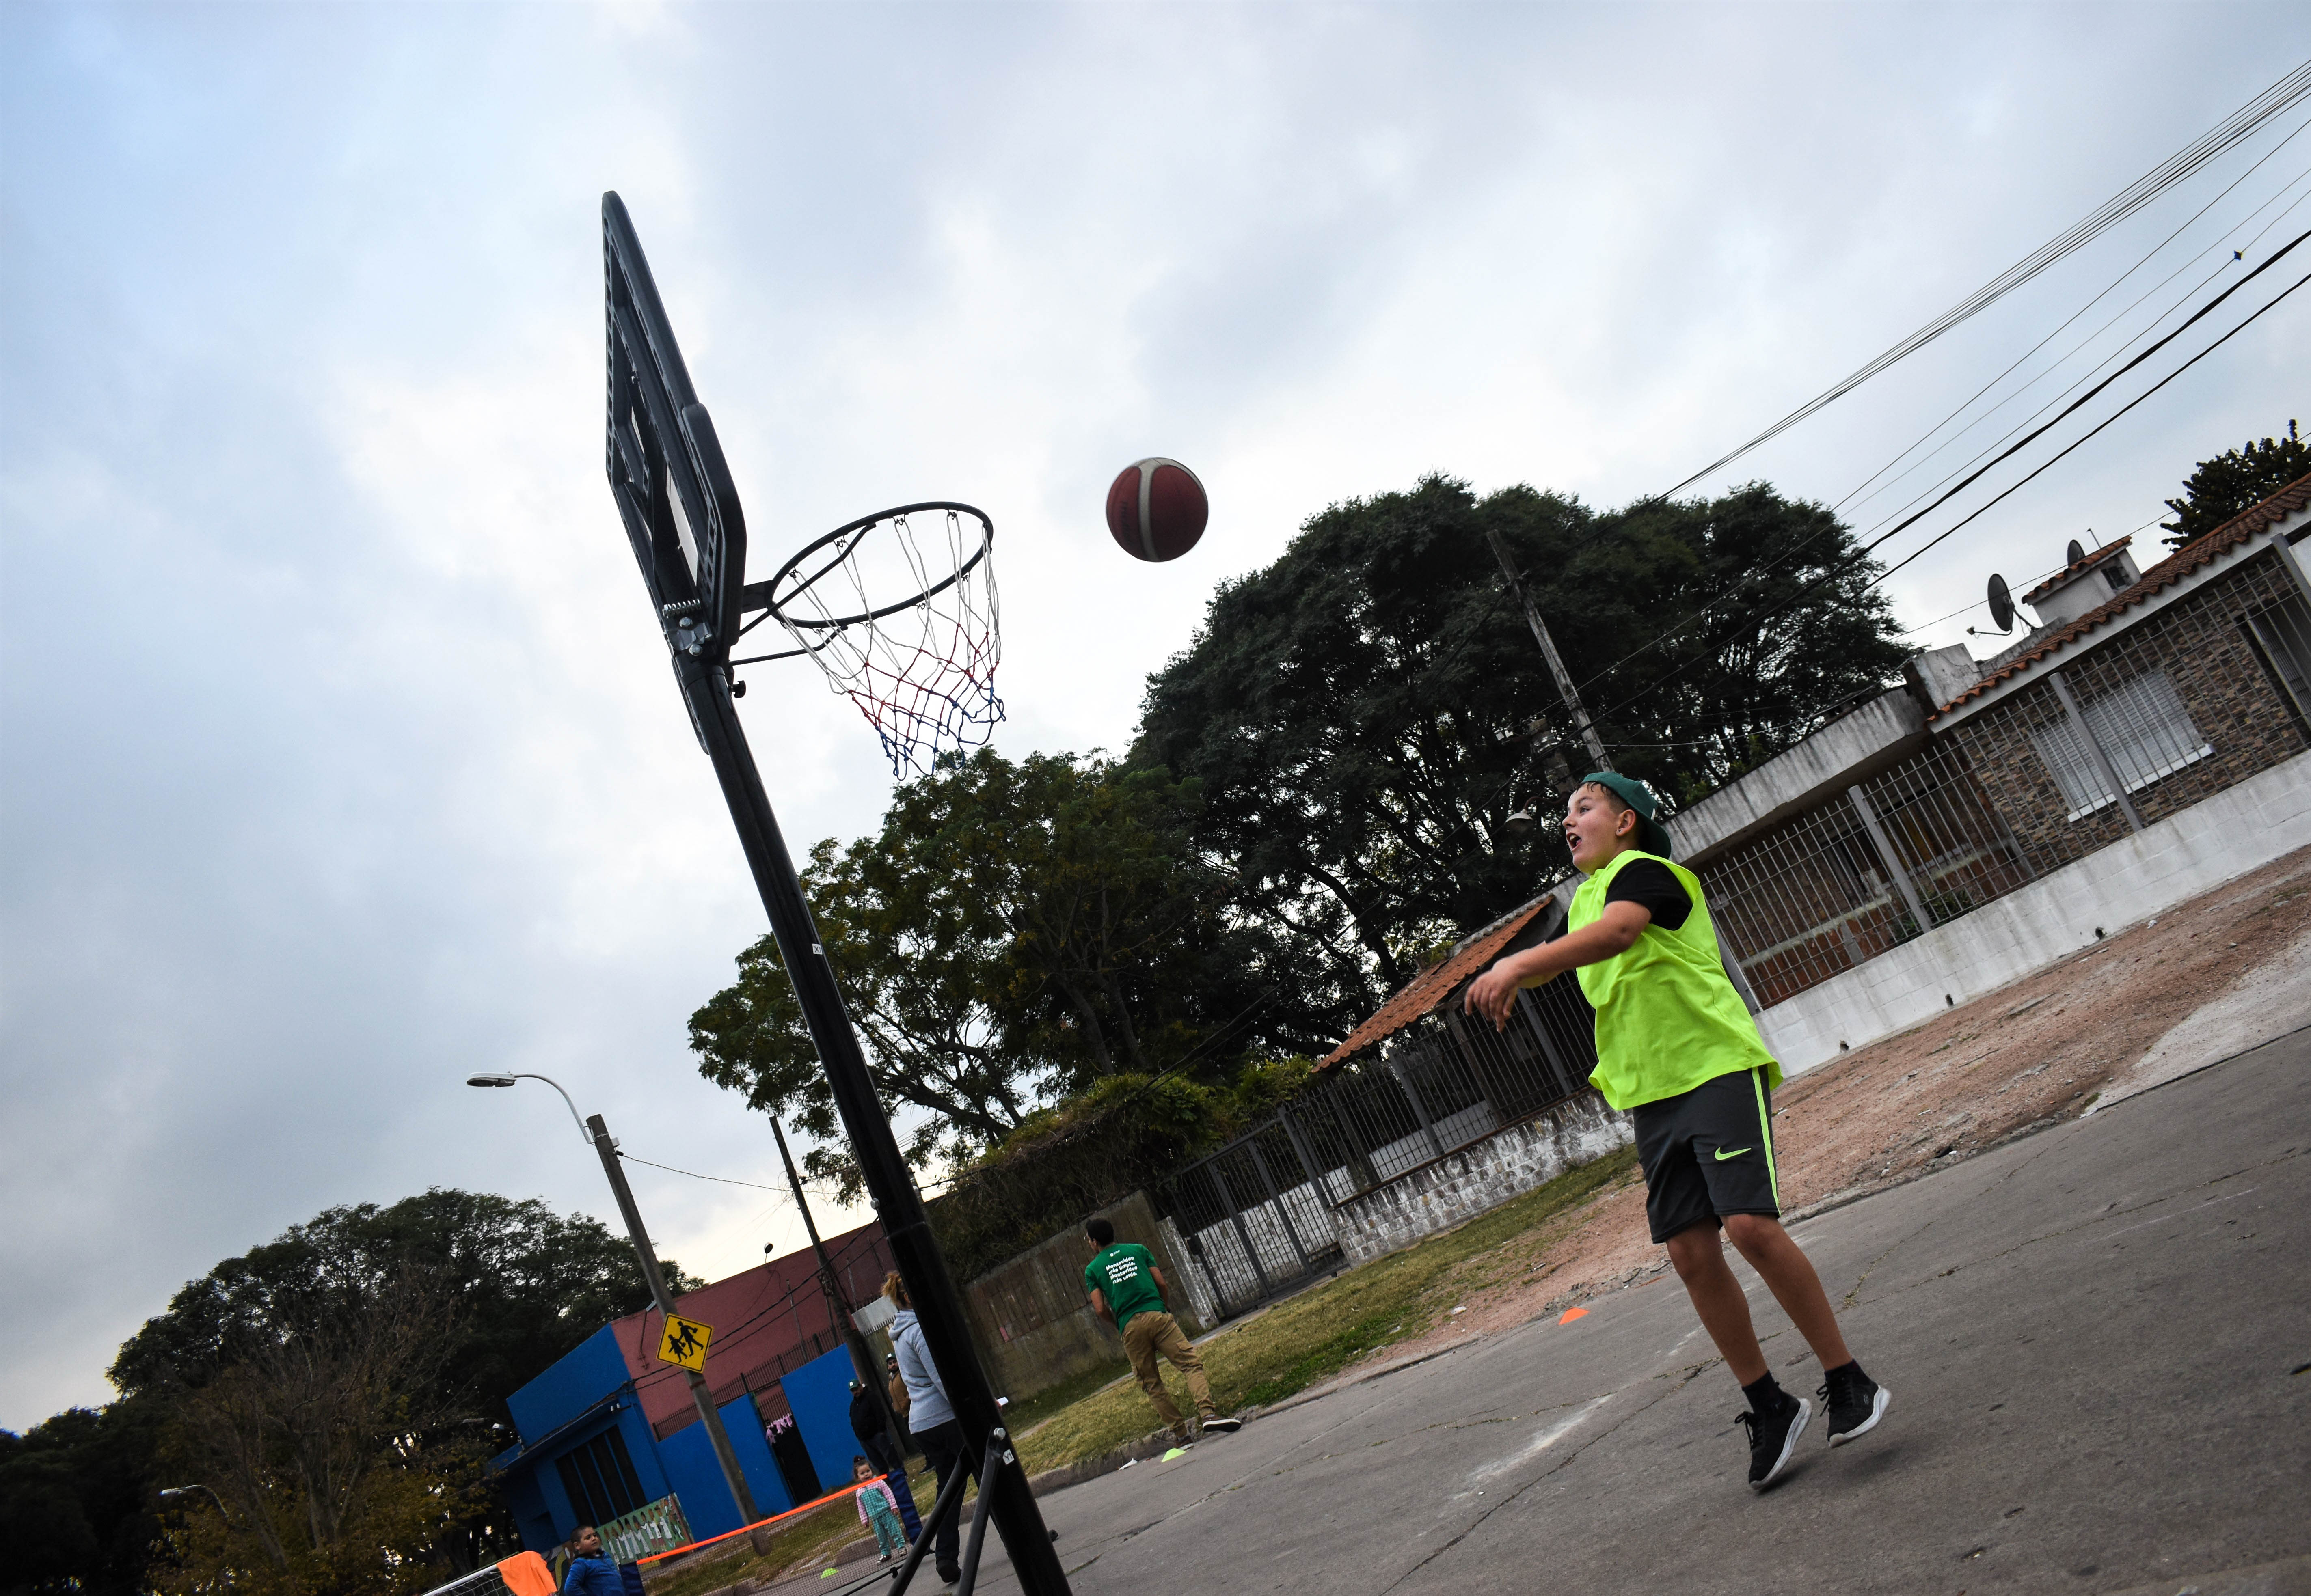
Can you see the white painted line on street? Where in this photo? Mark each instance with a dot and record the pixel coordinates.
(1540, 1443)
(2171, 1219)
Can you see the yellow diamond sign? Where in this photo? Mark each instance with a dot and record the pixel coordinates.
(685, 1342)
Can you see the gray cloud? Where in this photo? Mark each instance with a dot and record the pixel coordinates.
(339, 756)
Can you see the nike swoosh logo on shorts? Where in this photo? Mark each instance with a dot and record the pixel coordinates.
(1722, 1154)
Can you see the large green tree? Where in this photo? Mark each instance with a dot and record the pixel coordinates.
(343, 1461)
(76, 1504)
(1359, 713)
(503, 1288)
(2237, 480)
(1014, 932)
(523, 1285)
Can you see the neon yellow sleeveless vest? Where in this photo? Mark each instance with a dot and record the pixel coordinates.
(1668, 1018)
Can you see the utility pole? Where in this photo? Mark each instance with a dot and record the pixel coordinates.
(838, 1306)
(1548, 651)
(699, 1394)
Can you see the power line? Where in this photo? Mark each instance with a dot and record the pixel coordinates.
(2150, 255)
(2204, 311)
(694, 1176)
(722, 1180)
(2098, 426)
(2280, 97)
(2236, 256)
(2232, 257)
(1771, 565)
(2026, 583)
(1815, 587)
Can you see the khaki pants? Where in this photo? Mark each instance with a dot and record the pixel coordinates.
(1144, 1336)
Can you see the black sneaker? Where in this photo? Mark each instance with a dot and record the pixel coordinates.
(1773, 1437)
(1222, 1426)
(1854, 1401)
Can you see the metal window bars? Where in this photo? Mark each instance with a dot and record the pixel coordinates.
(1821, 894)
(2178, 707)
(2170, 703)
(2281, 634)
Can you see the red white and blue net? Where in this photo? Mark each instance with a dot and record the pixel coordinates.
(900, 611)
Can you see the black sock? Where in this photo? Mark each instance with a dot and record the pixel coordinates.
(1851, 1364)
(1764, 1396)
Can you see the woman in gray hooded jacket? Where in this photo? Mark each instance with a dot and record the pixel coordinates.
(931, 1419)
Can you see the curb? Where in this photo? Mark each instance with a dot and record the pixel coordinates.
(1107, 1462)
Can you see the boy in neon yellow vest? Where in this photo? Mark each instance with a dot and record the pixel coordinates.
(1677, 1049)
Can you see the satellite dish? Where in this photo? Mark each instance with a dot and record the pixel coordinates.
(2002, 603)
(2077, 552)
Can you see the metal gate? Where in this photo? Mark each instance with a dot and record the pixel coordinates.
(1255, 1218)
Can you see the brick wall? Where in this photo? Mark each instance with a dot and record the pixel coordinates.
(2202, 645)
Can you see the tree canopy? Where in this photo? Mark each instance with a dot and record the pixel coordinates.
(524, 1283)
(77, 1502)
(1015, 931)
(1358, 714)
(2237, 480)
(336, 1385)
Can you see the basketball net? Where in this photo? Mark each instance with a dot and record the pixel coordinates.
(922, 672)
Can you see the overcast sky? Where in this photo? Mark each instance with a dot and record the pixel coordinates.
(341, 757)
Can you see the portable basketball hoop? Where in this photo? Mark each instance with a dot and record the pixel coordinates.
(898, 610)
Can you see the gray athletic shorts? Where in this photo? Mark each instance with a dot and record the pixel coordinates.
(1708, 1152)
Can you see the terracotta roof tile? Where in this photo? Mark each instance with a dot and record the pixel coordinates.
(2201, 551)
(1426, 991)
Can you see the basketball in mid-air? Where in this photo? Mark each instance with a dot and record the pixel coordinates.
(1156, 509)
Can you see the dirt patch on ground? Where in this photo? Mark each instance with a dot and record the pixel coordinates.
(2020, 1059)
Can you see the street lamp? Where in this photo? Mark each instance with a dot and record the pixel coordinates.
(599, 1133)
(178, 1493)
(507, 1080)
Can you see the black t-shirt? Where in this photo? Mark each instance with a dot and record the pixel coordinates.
(1650, 883)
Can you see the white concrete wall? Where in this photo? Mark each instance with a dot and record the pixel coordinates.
(1853, 748)
(1478, 1178)
(2183, 855)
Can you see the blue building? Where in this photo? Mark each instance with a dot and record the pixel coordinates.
(589, 1455)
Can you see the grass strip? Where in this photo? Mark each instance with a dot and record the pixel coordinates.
(1309, 1338)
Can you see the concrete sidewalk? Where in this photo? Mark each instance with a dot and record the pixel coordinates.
(2093, 1337)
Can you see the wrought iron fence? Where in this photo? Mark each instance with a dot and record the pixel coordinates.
(1256, 1217)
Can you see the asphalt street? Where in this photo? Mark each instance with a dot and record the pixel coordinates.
(2096, 1338)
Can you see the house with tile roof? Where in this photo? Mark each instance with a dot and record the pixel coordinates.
(2148, 737)
(2144, 741)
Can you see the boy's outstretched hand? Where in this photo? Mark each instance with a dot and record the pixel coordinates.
(1493, 993)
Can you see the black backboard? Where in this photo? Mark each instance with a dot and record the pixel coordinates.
(666, 466)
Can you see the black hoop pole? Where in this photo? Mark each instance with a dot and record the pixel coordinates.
(660, 441)
(949, 1503)
(997, 1454)
(938, 1306)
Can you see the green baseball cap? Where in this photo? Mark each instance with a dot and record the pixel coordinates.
(1653, 836)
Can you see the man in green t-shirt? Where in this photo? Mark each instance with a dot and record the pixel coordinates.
(1127, 1290)
(1677, 1049)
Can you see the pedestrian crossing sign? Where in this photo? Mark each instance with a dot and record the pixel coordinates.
(685, 1342)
